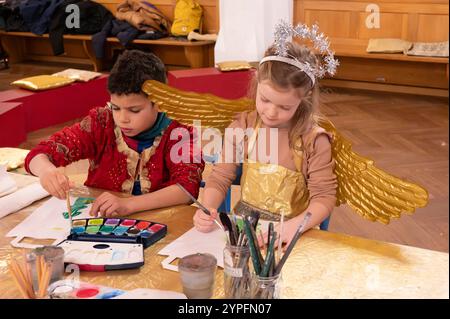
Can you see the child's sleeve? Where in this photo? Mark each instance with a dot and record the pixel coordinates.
(321, 180)
(73, 143)
(186, 166)
(224, 172)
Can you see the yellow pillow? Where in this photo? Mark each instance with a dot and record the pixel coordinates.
(12, 158)
(42, 82)
(388, 46)
(233, 66)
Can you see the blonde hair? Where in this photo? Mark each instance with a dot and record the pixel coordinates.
(286, 76)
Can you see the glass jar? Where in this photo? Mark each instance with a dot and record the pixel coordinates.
(265, 287)
(236, 271)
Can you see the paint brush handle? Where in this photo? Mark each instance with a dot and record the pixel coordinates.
(293, 242)
(203, 208)
(69, 208)
(269, 257)
(252, 247)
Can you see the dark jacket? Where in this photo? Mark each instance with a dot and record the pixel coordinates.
(121, 29)
(37, 14)
(93, 17)
(15, 22)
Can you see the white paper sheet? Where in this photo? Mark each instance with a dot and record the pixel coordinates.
(21, 198)
(193, 242)
(145, 293)
(7, 184)
(46, 222)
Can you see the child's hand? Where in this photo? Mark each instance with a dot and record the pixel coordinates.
(289, 229)
(109, 205)
(204, 222)
(55, 183)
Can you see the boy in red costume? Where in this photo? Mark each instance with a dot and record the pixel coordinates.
(128, 144)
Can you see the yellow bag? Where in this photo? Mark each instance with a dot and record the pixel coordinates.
(188, 17)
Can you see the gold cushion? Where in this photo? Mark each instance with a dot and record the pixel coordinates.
(233, 66)
(42, 82)
(388, 46)
(12, 158)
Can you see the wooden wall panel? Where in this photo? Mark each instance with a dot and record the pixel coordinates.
(425, 21)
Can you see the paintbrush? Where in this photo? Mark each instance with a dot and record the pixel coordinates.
(292, 244)
(280, 241)
(226, 222)
(252, 246)
(69, 210)
(203, 208)
(269, 257)
(258, 250)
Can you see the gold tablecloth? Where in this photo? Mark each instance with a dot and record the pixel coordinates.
(322, 265)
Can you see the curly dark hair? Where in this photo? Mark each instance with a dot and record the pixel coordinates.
(132, 69)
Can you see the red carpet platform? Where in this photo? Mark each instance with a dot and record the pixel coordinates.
(23, 109)
(229, 85)
(12, 124)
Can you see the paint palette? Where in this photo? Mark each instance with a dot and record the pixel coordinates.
(97, 256)
(69, 289)
(117, 230)
(72, 289)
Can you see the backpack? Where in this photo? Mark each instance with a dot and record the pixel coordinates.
(187, 17)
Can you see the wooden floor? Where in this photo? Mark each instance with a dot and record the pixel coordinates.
(407, 136)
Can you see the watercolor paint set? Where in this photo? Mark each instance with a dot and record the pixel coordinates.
(117, 230)
(101, 244)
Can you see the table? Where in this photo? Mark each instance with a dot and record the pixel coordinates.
(322, 265)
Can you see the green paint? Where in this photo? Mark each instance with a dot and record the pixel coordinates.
(92, 229)
(80, 203)
(107, 229)
(74, 214)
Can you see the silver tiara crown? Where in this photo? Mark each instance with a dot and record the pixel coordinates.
(284, 31)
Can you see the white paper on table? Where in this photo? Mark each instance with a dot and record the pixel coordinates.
(46, 222)
(194, 241)
(144, 293)
(20, 199)
(7, 184)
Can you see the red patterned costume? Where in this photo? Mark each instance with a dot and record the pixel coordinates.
(113, 163)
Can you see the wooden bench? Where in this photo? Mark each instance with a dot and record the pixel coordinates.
(344, 22)
(22, 46)
(176, 53)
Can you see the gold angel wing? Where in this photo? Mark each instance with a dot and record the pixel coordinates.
(187, 107)
(371, 192)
